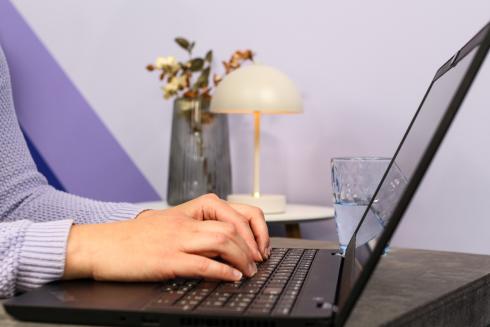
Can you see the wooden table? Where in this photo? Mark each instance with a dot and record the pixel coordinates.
(409, 288)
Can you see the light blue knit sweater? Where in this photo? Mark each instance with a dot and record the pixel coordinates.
(35, 219)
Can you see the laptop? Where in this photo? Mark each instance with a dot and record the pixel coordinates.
(294, 287)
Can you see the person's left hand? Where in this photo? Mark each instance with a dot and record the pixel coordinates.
(249, 221)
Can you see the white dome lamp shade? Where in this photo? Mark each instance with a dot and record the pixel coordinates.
(257, 89)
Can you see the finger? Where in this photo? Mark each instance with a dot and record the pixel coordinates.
(196, 266)
(228, 229)
(256, 220)
(209, 206)
(243, 228)
(214, 239)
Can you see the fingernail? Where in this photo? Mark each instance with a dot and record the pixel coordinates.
(269, 249)
(264, 251)
(237, 274)
(259, 255)
(252, 268)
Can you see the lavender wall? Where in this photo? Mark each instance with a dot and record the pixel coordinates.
(361, 66)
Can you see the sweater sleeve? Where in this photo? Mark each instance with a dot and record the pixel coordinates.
(24, 192)
(31, 254)
(35, 218)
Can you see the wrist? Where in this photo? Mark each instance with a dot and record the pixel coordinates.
(78, 263)
(148, 213)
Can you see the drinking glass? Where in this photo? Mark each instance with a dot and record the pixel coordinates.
(354, 181)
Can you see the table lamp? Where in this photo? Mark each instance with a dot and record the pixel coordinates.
(257, 89)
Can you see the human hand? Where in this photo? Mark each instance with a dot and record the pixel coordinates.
(164, 244)
(249, 221)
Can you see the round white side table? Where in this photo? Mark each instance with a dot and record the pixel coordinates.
(294, 215)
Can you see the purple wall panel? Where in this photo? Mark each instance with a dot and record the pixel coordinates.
(72, 139)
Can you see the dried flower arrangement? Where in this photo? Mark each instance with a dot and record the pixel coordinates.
(180, 77)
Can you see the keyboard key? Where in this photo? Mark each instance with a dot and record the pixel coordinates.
(281, 311)
(273, 290)
(258, 311)
(167, 299)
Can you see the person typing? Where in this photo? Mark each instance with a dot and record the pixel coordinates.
(46, 234)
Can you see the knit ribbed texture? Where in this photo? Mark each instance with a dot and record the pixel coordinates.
(35, 218)
(42, 256)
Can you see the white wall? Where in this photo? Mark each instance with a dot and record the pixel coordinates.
(362, 67)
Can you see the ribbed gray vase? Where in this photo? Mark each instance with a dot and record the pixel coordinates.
(199, 152)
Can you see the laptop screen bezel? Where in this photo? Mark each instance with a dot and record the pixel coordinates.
(351, 286)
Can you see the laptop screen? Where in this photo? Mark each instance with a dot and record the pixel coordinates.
(410, 154)
(402, 174)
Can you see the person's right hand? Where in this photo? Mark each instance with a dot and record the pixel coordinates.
(158, 245)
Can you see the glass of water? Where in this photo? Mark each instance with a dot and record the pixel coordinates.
(354, 181)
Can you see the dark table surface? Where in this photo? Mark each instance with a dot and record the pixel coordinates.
(409, 288)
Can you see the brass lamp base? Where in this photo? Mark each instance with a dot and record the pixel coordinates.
(269, 203)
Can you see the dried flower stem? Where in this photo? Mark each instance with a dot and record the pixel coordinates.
(179, 77)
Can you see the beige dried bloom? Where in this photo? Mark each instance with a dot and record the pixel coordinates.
(167, 64)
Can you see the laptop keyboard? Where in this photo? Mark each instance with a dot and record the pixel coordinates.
(272, 291)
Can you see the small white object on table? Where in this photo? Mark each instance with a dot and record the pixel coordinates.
(294, 214)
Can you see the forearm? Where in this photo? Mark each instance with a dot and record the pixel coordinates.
(24, 192)
(44, 203)
(85, 244)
